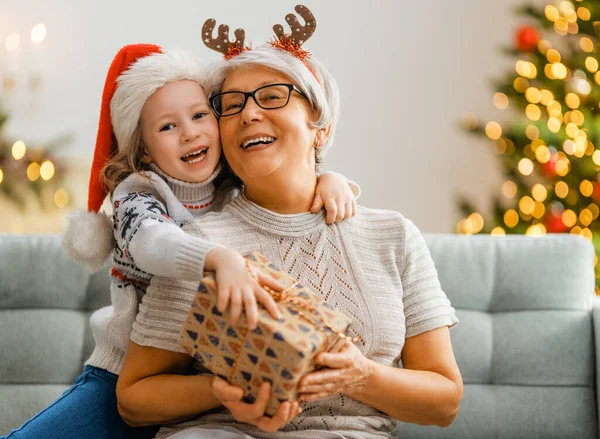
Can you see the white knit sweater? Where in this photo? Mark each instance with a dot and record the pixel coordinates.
(374, 267)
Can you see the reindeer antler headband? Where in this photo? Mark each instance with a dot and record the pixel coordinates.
(291, 42)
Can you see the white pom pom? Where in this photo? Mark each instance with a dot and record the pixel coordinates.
(88, 238)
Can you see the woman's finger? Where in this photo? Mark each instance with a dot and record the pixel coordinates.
(334, 360)
(236, 305)
(354, 207)
(225, 392)
(250, 308)
(278, 420)
(268, 302)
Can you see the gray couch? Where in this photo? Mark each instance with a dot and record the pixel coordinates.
(525, 345)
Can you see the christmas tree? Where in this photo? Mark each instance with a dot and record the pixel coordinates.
(31, 174)
(549, 143)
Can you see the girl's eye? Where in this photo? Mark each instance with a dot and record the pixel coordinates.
(199, 115)
(167, 127)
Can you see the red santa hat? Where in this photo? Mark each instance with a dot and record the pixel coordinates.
(137, 71)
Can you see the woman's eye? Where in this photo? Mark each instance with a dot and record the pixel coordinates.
(272, 97)
(232, 106)
(199, 115)
(167, 127)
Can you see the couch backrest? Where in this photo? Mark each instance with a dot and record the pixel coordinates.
(524, 343)
(45, 303)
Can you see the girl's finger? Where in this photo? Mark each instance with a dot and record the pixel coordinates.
(331, 208)
(317, 203)
(354, 207)
(236, 305)
(268, 302)
(268, 281)
(224, 295)
(341, 213)
(349, 213)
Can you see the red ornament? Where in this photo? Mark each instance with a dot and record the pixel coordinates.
(526, 39)
(554, 223)
(549, 168)
(596, 192)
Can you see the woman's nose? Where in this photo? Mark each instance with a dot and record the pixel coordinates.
(251, 112)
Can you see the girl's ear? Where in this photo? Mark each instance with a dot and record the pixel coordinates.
(146, 159)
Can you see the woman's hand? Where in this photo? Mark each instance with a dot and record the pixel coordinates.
(347, 370)
(333, 192)
(231, 397)
(237, 285)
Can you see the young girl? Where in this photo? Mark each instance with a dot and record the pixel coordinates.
(158, 154)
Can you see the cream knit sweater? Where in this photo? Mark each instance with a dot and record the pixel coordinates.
(374, 267)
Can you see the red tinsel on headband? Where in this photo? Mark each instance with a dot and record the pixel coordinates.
(286, 44)
(235, 50)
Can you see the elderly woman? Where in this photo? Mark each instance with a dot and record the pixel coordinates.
(277, 115)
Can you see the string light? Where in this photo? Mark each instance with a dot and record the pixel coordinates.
(61, 198)
(493, 130)
(18, 150)
(33, 171)
(12, 42)
(47, 170)
(1, 176)
(511, 218)
(500, 100)
(509, 189)
(498, 231)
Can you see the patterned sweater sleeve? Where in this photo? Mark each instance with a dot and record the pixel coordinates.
(426, 306)
(152, 241)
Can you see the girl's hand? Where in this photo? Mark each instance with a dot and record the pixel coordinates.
(236, 284)
(231, 397)
(346, 371)
(333, 192)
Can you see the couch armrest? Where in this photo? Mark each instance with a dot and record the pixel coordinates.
(596, 318)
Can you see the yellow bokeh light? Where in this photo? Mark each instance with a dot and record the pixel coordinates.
(569, 147)
(533, 95)
(586, 188)
(554, 125)
(521, 84)
(561, 26)
(500, 100)
(559, 71)
(596, 158)
(1, 176)
(562, 166)
(539, 192)
(591, 64)
(553, 56)
(544, 46)
(532, 132)
(47, 170)
(554, 108)
(586, 44)
(561, 189)
(536, 230)
(476, 221)
(584, 13)
(61, 198)
(33, 171)
(572, 100)
(571, 129)
(594, 209)
(533, 112)
(569, 218)
(12, 42)
(551, 12)
(470, 121)
(542, 154)
(509, 189)
(526, 205)
(539, 210)
(586, 233)
(19, 149)
(38, 33)
(493, 130)
(498, 231)
(576, 117)
(586, 217)
(511, 218)
(525, 166)
(546, 97)
(597, 78)
(526, 69)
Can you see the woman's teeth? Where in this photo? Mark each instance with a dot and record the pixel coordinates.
(257, 141)
(195, 157)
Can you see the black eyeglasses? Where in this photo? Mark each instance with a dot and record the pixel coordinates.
(268, 97)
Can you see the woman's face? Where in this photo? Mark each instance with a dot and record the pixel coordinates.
(180, 132)
(259, 142)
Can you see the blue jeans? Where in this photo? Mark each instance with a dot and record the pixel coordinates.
(88, 409)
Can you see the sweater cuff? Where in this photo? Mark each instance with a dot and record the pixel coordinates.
(190, 257)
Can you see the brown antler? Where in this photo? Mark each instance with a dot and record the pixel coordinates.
(299, 33)
(221, 43)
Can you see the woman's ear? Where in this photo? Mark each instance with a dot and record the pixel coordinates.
(322, 136)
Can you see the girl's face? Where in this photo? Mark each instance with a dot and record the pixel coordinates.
(180, 133)
(259, 142)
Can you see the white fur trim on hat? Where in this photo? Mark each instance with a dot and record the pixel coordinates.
(141, 80)
(88, 238)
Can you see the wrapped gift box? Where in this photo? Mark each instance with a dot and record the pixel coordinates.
(279, 352)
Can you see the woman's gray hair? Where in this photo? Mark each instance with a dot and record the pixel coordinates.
(323, 95)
